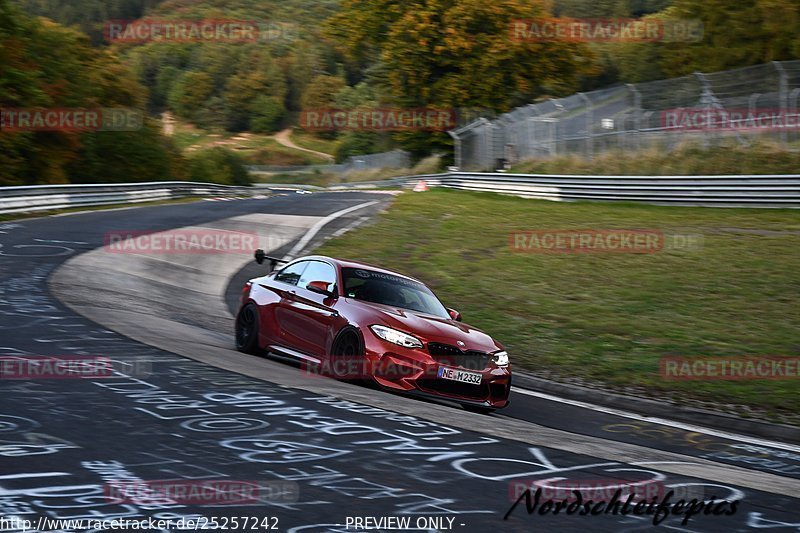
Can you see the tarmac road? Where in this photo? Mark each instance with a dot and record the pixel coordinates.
(184, 405)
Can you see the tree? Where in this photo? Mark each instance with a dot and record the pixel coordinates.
(45, 65)
(189, 94)
(219, 165)
(743, 33)
(456, 53)
(268, 114)
(321, 92)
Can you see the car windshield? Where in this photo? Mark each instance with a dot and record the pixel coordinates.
(387, 289)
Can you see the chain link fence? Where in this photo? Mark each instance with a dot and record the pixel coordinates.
(744, 105)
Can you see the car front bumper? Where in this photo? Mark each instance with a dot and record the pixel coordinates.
(417, 372)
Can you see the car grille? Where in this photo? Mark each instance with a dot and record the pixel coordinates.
(453, 356)
(454, 388)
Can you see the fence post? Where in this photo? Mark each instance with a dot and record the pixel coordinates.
(637, 104)
(783, 96)
(707, 100)
(456, 148)
(589, 124)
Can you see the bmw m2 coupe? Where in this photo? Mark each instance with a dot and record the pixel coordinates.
(356, 321)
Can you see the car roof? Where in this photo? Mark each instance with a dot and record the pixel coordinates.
(345, 263)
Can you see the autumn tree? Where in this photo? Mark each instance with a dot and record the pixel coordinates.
(457, 52)
(45, 65)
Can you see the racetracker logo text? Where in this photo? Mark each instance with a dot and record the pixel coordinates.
(384, 119)
(185, 31)
(67, 367)
(200, 241)
(609, 30)
(729, 368)
(588, 241)
(187, 492)
(71, 120)
(743, 119)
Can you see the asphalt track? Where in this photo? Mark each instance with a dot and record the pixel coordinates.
(184, 405)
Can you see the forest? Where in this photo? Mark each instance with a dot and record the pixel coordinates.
(342, 54)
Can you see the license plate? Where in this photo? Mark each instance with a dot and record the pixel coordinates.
(462, 376)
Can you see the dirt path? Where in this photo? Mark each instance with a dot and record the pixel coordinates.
(284, 139)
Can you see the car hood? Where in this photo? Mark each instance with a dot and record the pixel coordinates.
(429, 328)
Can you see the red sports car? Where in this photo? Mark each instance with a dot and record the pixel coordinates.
(356, 321)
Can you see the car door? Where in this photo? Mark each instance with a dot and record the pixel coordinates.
(309, 319)
(284, 285)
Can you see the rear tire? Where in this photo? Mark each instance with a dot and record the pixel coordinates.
(247, 330)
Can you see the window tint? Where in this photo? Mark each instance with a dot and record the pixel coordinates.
(386, 289)
(291, 274)
(318, 271)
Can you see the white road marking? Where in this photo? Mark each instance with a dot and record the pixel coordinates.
(312, 232)
(347, 228)
(661, 421)
(60, 242)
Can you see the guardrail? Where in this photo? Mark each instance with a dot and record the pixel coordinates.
(49, 197)
(718, 191)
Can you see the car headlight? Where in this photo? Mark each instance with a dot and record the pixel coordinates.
(500, 358)
(396, 337)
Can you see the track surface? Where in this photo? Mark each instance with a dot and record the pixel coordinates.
(169, 417)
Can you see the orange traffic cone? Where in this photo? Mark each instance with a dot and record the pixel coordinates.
(421, 186)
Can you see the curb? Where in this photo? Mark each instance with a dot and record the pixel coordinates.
(669, 410)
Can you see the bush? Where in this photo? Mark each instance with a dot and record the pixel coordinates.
(268, 114)
(219, 165)
(356, 143)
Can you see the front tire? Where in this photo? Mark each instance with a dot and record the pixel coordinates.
(247, 330)
(347, 357)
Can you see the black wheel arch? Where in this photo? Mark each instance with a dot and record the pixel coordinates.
(348, 330)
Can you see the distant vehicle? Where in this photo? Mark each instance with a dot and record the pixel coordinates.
(302, 191)
(355, 321)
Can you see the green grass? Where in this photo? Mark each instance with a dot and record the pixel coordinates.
(607, 319)
(313, 142)
(688, 159)
(267, 151)
(256, 148)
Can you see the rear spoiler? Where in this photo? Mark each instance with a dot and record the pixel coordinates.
(261, 256)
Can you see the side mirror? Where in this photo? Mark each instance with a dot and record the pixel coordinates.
(321, 287)
(455, 315)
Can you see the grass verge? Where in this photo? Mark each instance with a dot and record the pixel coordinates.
(687, 159)
(606, 319)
